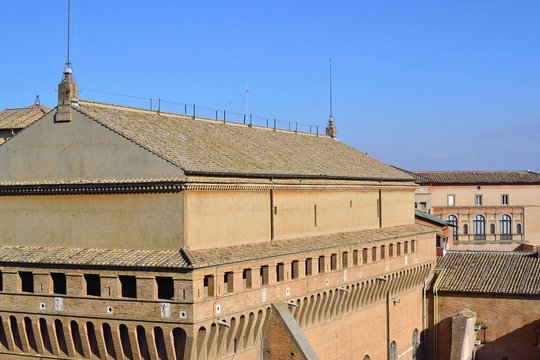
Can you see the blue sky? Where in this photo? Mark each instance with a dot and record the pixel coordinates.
(423, 85)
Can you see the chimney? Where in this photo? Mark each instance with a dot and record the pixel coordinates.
(68, 94)
(331, 129)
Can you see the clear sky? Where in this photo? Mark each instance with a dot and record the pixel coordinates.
(423, 85)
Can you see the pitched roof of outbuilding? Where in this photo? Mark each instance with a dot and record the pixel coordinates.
(199, 258)
(19, 118)
(478, 177)
(211, 147)
(494, 272)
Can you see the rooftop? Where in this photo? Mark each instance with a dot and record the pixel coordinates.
(492, 272)
(19, 118)
(199, 258)
(202, 146)
(430, 218)
(478, 177)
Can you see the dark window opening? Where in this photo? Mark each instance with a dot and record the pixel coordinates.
(398, 249)
(246, 278)
(374, 254)
(364, 256)
(128, 286)
(294, 269)
(93, 284)
(333, 262)
(391, 250)
(208, 284)
(264, 275)
(165, 287)
(355, 258)
(321, 264)
(26, 279)
(413, 246)
(280, 272)
(59, 283)
(228, 280)
(465, 229)
(309, 266)
(345, 260)
(406, 248)
(383, 252)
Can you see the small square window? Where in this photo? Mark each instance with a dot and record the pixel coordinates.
(165, 287)
(59, 283)
(26, 279)
(246, 278)
(423, 205)
(208, 284)
(504, 199)
(128, 286)
(264, 275)
(451, 200)
(93, 284)
(228, 281)
(294, 269)
(309, 266)
(478, 200)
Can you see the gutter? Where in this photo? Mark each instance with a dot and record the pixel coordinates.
(291, 176)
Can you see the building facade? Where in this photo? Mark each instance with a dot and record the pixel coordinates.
(490, 209)
(501, 289)
(136, 234)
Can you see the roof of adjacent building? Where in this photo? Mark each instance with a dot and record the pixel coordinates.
(212, 147)
(429, 217)
(478, 177)
(20, 118)
(493, 272)
(185, 258)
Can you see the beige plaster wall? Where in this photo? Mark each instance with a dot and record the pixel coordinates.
(78, 150)
(132, 221)
(491, 194)
(337, 211)
(397, 208)
(217, 219)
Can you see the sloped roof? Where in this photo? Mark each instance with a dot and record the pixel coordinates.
(21, 117)
(211, 147)
(495, 272)
(429, 217)
(478, 177)
(199, 258)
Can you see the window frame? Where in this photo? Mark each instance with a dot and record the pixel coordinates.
(453, 197)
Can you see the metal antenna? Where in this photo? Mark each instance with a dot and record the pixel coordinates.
(68, 64)
(247, 92)
(330, 87)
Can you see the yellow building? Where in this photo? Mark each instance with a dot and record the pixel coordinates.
(492, 209)
(132, 233)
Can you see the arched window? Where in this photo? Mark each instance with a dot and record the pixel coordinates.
(506, 225)
(415, 344)
(452, 220)
(479, 223)
(518, 229)
(465, 229)
(492, 228)
(367, 357)
(392, 353)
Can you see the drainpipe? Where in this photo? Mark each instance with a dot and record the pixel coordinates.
(271, 215)
(436, 313)
(388, 323)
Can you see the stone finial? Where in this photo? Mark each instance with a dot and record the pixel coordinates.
(331, 129)
(68, 94)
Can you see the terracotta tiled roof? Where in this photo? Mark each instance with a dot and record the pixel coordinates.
(204, 146)
(93, 257)
(489, 272)
(478, 177)
(249, 252)
(22, 117)
(200, 258)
